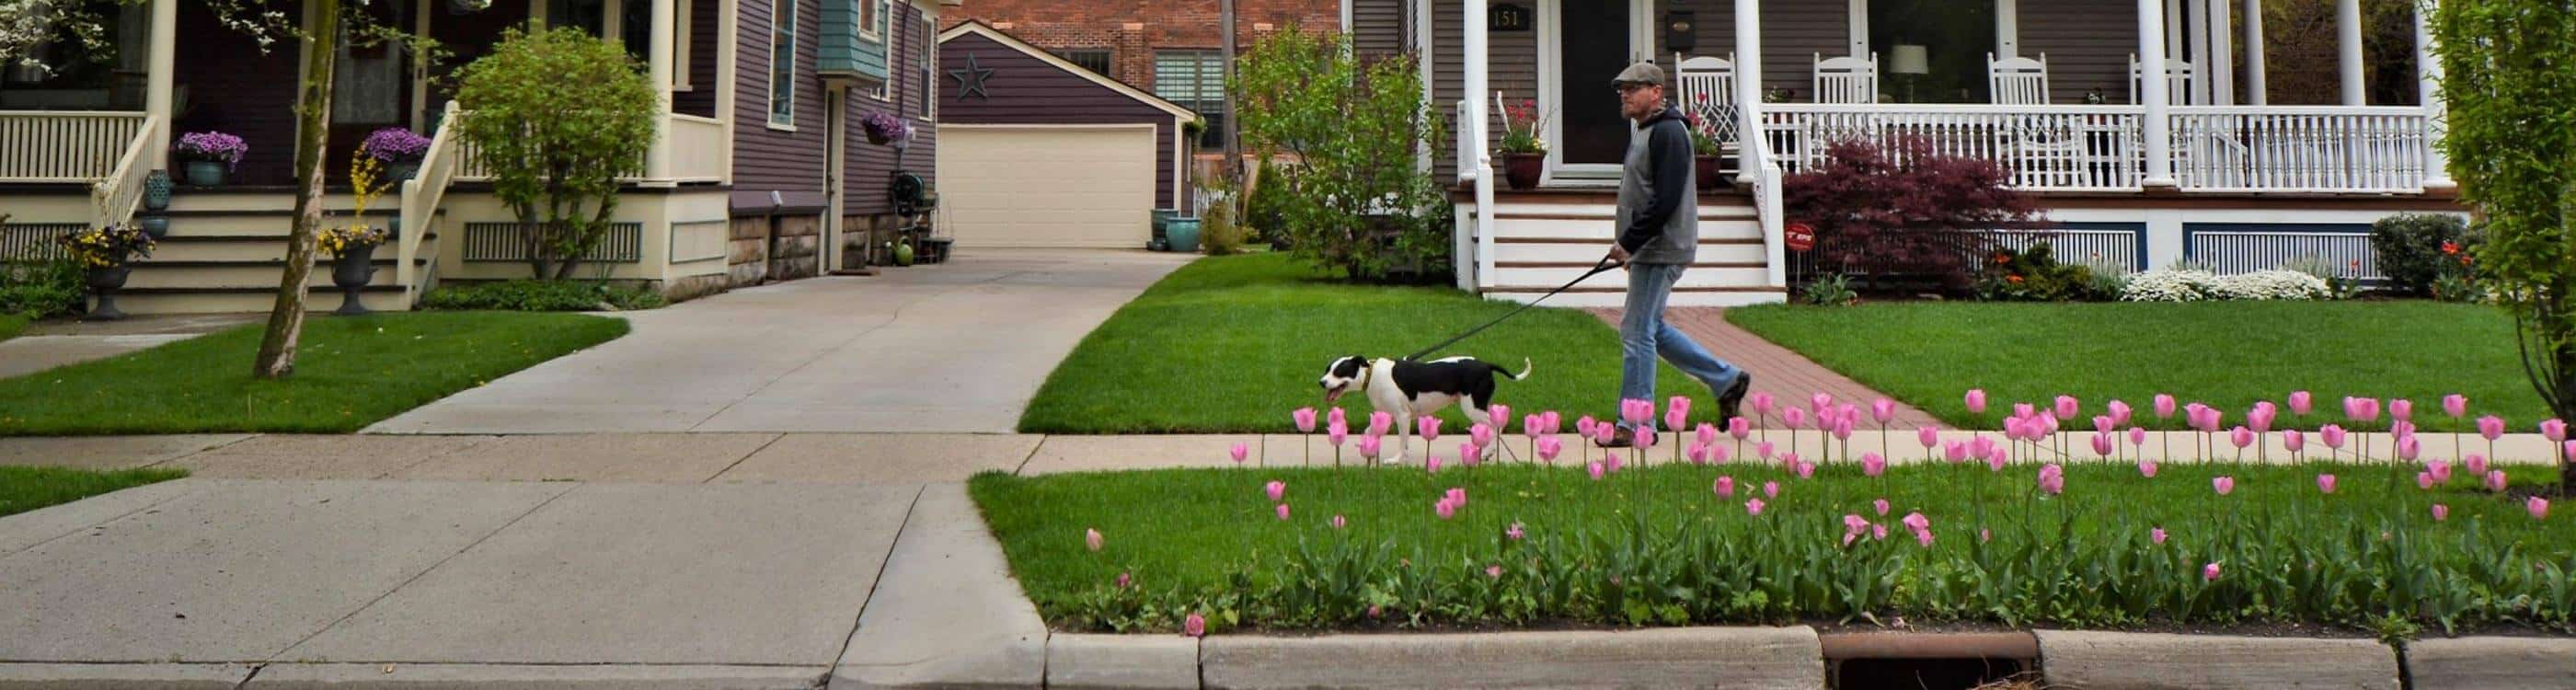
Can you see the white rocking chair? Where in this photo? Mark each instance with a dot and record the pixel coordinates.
(1849, 79)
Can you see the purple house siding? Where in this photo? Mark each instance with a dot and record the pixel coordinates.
(769, 160)
(1027, 90)
(867, 166)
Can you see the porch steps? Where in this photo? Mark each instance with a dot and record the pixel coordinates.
(226, 251)
(1543, 240)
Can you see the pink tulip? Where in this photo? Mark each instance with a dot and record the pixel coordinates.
(1706, 433)
(1275, 489)
(1124, 579)
(1880, 505)
(1843, 429)
(1337, 416)
(2424, 480)
(1882, 410)
(1549, 447)
(1995, 460)
(1380, 423)
(2120, 412)
(1534, 425)
(1976, 400)
(2015, 428)
(1501, 416)
(1923, 537)
(1370, 445)
(1794, 417)
(1981, 446)
(1480, 435)
(2164, 405)
(2301, 403)
(1717, 454)
(1595, 470)
(1739, 428)
(1429, 427)
(1698, 453)
(1820, 402)
(1984, 534)
(1605, 431)
(2441, 512)
(1305, 418)
(2241, 436)
(1771, 489)
(1444, 509)
(1761, 402)
(2326, 483)
(1515, 532)
(1913, 521)
(1585, 426)
(2137, 436)
(2555, 430)
(1753, 507)
(1430, 463)
(2293, 440)
(2067, 406)
(2103, 443)
(1283, 512)
(2440, 471)
(2209, 572)
(2538, 506)
(1494, 572)
(2024, 410)
(2570, 449)
(2102, 423)
(1928, 436)
(1194, 626)
(1725, 487)
(1677, 413)
(2224, 485)
(1339, 523)
(1853, 523)
(1645, 411)
(1555, 422)
(2332, 435)
(2455, 405)
(1647, 438)
(1806, 470)
(2156, 535)
(1337, 432)
(1878, 532)
(2260, 418)
(2401, 408)
(2495, 480)
(1091, 538)
(1955, 451)
(1763, 449)
(2408, 448)
(1238, 452)
(2364, 409)
(2052, 479)
(2147, 468)
(2477, 464)
(2491, 427)
(1469, 454)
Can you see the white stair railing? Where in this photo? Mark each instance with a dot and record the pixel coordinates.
(114, 198)
(421, 196)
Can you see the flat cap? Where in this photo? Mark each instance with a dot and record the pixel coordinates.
(1640, 73)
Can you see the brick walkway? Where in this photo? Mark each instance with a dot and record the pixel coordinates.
(1786, 375)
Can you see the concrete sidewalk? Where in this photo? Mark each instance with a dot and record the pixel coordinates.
(59, 343)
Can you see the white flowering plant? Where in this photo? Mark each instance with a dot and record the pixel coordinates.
(2191, 284)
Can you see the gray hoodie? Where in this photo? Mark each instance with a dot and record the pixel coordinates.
(1658, 199)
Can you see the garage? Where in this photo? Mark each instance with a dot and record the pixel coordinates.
(1035, 151)
(1048, 185)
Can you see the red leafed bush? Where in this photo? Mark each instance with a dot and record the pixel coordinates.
(1896, 214)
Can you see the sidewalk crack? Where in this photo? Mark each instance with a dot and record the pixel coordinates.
(737, 462)
(874, 583)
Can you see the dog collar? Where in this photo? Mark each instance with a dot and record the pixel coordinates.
(1367, 368)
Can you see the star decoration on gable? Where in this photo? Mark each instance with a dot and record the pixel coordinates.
(970, 80)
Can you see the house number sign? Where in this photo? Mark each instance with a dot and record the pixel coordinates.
(1508, 17)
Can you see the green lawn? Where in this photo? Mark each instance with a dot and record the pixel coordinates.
(1659, 547)
(352, 371)
(2225, 354)
(28, 488)
(1232, 344)
(11, 325)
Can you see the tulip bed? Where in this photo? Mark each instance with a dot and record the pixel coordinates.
(2226, 354)
(2097, 544)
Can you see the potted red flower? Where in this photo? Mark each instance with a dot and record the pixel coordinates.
(1523, 148)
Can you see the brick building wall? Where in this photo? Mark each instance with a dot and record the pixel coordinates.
(1133, 29)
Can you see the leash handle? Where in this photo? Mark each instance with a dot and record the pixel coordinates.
(1605, 264)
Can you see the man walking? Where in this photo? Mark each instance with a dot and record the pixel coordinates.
(1658, 236)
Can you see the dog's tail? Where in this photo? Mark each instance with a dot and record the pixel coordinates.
(1507, 373)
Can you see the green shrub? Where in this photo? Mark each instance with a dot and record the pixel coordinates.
(1831, 291)
(1356, 203)
(543, 295)
(1219, 233)
(2416, 251)
(40, 289)
(1263, 216)
(2035, 275)
(557, 166)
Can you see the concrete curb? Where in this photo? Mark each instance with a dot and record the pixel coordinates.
(532, 677)
(1122, 661)
(2118, 660)
(1744, 657)
(51, 676)
(2503, 663)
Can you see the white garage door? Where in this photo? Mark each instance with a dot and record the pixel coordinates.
(1048, 185)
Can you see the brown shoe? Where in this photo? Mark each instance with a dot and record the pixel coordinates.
(1621, 438)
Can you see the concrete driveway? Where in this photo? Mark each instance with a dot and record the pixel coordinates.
(958, 347)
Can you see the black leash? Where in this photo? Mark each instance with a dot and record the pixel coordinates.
(1606, 264)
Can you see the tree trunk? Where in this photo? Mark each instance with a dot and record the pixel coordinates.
(312, 108)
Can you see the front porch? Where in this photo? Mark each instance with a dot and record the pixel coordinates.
(2054, 92)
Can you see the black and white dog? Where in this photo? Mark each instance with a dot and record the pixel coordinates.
(1406, 389)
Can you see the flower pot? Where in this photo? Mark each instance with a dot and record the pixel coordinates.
(156, 191)
(156, 225)
(351, 272)
(205, 173)
(402, 170)
(1182, 233)
(1522, 170)
(877, 139)
(1710, 176)
(105, 282)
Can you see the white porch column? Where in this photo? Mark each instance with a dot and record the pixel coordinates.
(2197, 28)
(2254, 53)
(2428, 88)
(1750, 145)
(2151, 88)
(728, 38)
(2222, 55)
(1471, 57)
(657, 61)
(2348, 28)
(157, 84)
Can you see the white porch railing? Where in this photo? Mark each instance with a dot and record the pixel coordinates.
(420, 199)
(2091, 147)
(115, 197)
(67, 146)
(697, 148)
(1466, 149)
(2311, 148)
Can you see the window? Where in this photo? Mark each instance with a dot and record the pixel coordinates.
(1095, 60)
(782, 65)
(879, 23)
(1195, 79)
(927, 55)
(868, 13)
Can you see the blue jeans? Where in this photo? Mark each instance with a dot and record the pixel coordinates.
(1643, 334)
